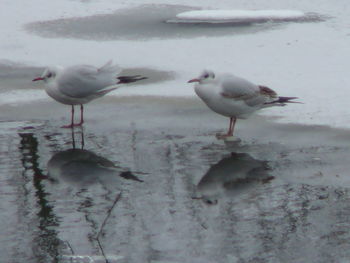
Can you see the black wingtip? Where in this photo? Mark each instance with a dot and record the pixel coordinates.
(130, 79)
(282, 100)
(287, 100)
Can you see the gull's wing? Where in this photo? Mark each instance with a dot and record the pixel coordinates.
(84, 80)
(239, 89)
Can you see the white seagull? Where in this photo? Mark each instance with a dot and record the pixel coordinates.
(235, 97)
(77, 85)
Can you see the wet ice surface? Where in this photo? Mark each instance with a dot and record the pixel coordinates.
(150, 21)
(149, 182)
(146, 180)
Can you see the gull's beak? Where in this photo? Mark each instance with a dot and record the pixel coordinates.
(38, 78)
(193, 80)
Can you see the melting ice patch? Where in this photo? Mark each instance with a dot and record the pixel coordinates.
(224, 16)
(17, 97)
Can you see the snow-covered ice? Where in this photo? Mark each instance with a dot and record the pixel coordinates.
(309, 60)
(240, 15)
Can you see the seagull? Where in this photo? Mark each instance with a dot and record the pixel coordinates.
(80, 84)
(235, 97)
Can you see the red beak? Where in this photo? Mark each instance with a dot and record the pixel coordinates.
(193, 80)
(38, 78)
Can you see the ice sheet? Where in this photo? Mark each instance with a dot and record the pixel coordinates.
(307, 60)
(234, 15)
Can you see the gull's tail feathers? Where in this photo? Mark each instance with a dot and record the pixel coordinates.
(110, 68)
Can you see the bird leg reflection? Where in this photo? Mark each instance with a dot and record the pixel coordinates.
(81, 115)
(82, 139)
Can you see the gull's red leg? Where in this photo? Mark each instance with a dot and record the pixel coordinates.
(232, 126)
(71, 125)
(230, 129)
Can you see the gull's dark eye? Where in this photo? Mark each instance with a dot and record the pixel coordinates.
(49, 75)
(206, 76)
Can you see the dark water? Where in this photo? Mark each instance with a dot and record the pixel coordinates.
(149, 22)
(78, 181)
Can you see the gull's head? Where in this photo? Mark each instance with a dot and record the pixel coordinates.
(206, 77)
(49, 74)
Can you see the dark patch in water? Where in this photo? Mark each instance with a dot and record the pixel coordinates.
(146, 22)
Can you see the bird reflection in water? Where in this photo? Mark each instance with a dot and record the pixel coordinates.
(83, 167)
(232, 175)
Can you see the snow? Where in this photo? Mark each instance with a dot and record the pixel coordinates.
(234, 15)
(307, 60)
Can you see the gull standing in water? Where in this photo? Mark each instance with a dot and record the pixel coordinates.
(235, 97)
(78, 85)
